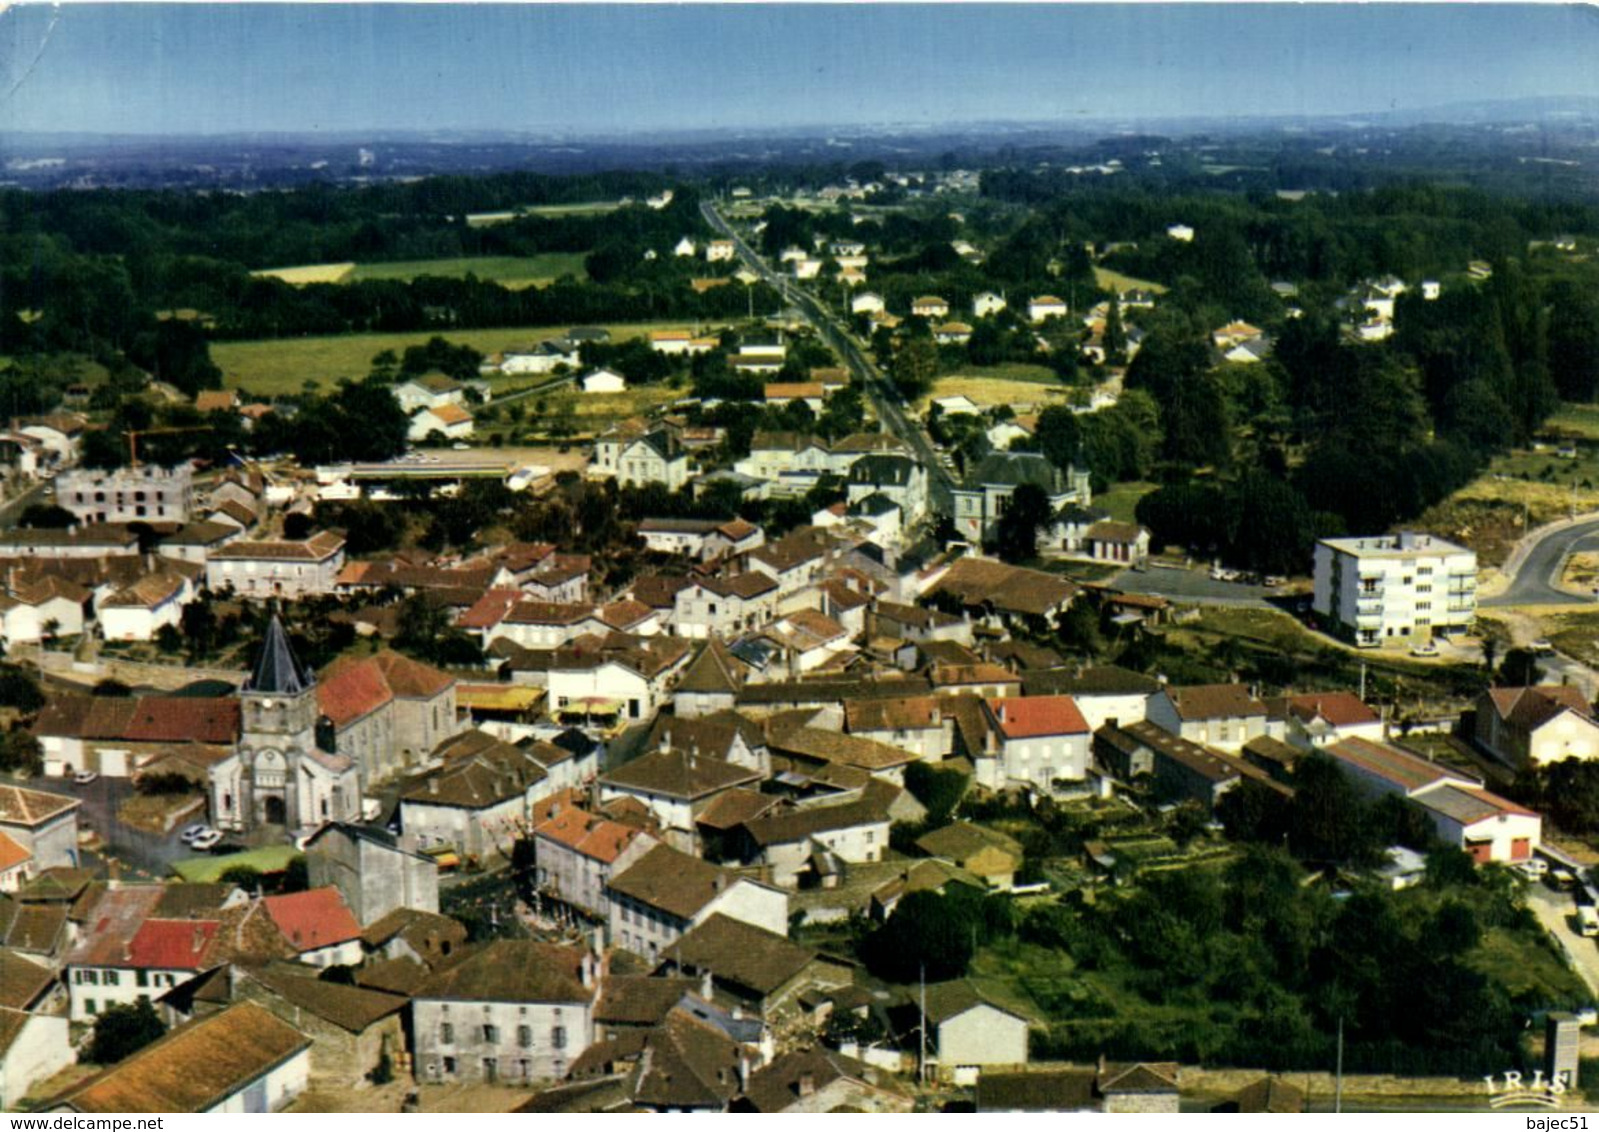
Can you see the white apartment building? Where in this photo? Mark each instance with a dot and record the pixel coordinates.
(1393, 589)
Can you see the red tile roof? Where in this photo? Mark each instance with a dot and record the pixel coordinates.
(315, 918)
(1531, 707)
(179, 719)
(597, 838)
(171, 945)
(11, 854)
(1028, 717)
(449, 414)
(1341, 709)
(353, 689)
(490, 609)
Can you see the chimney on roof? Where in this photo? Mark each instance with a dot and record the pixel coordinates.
(807, 1084)
(433, 785)
(721, 881)
(586, 970)
(743, 1071)
(1100, 1068)
(706, 984)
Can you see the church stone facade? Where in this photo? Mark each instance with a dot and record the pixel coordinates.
(278, 774)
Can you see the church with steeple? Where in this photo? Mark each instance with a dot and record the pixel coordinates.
(285, 770)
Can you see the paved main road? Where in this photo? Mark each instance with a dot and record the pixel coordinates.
(1534, 578)
(890, 410)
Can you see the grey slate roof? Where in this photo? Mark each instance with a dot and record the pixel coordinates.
(277, 669)
(1016, 468)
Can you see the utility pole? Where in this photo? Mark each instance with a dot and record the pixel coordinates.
(922, 1029)
(1338, 1079)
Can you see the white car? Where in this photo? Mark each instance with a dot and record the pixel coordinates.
(84, 777)
(206, 840)
(1534, 868)
(193, 831)
(1427, 649)
(461, 446)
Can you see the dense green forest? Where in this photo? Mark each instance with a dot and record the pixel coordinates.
(90, 272)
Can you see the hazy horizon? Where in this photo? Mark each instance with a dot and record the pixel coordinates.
(199, 69)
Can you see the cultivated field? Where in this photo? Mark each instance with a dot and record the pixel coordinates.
(1115, 280)
(590, 208)
(1020, 386)
(508, 271)
(309, 273)
(274, 366)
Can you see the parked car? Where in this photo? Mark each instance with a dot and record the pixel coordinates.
(190, 832)
(206, 840)
(1533, 868)
(1425, 649)
(1588, 920)
(1542, 647)
(84, 777)
(1561, 880)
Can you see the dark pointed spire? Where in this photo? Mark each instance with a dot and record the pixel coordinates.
(277, 669)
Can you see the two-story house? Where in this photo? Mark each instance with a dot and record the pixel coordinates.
(513, 1011)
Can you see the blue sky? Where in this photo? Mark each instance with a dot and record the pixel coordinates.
(203, 68)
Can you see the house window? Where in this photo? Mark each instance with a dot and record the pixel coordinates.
(558, 1037)
(524, 1037)
(112, 979)
(92, 978)
(447, 1034)
(491, 1035)
(89, 1006)
(449, 1067)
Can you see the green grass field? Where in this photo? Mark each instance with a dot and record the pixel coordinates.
(508, 271)
(1122, 498)
(1575, 419)
(275, 366)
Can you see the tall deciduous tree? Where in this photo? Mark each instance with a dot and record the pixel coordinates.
(915, 366)
(1017, 530)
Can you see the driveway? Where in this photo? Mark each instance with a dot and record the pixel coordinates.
(1189, 585)
(1534, 576)
(1555, 911)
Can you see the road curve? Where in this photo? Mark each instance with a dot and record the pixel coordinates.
(1534, 580)
(885, 401)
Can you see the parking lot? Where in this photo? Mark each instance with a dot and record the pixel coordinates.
(142, 855)
(1193, 585)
